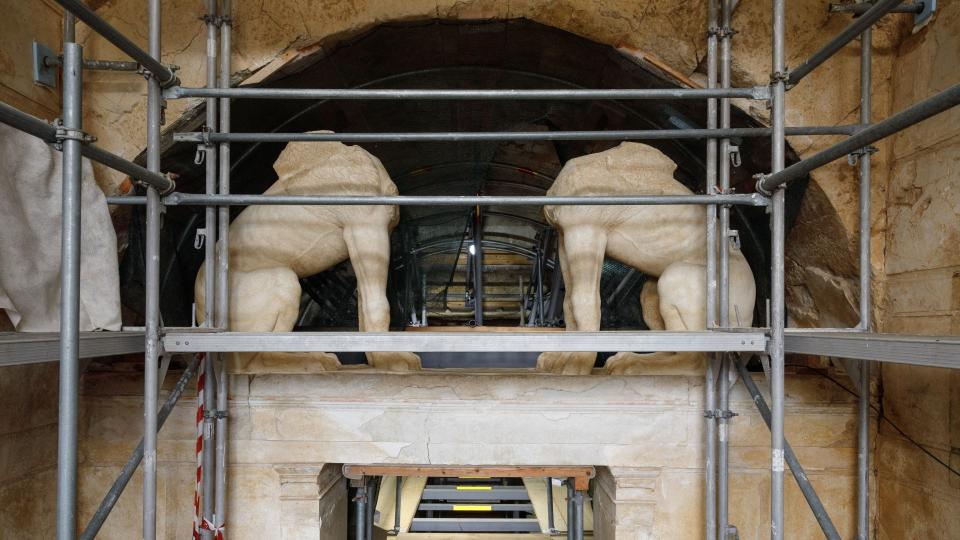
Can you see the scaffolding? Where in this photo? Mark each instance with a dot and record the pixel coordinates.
(719, 339)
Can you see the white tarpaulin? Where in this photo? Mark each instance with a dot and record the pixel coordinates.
(30, 210)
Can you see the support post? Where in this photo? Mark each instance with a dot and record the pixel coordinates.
(578, 512)
(571, 511)
(863, 417)
(397, 506)
(372, 493)
(209, 277)
(723, 503)
(70, 293)
(221, 293)
(152, 290)
(816, 506)
(360, 525)
(551, 524)
(477, 267)
(710, 389)
(777, 307)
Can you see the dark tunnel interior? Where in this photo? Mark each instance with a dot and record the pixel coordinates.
(431, 248)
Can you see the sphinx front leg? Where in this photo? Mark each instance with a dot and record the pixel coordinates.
(581, 260)
(369, 249)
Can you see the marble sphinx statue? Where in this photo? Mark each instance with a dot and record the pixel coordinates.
(665, 242)
(272, 247)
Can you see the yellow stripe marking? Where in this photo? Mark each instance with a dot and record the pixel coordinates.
(472, 508)
(474, 488)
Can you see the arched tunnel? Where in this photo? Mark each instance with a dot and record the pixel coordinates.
(431, 277)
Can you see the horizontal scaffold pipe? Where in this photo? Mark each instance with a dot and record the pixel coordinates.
(917, 113)
(165, 76)
(756, 92)
(615, 135)
(860, 8)
(99, 65)
(745, 340)
(192, 199)
(48, 133)
(871, 16)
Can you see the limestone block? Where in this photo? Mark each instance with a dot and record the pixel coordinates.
(625, 503)
(27, 504)
(313, 502)
(929, 292)
(922, 216)
(284, 427)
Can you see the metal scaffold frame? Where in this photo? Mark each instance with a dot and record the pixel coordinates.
(213, 337)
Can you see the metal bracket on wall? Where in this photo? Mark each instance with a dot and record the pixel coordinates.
(925, 16)
(44, 73)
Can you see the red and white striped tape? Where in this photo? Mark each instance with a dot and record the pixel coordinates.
(199, 523)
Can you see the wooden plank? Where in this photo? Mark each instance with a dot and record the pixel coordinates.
(581, 475)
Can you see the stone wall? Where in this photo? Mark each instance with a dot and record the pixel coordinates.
(284, 427)
(28, 394)
(919, 498)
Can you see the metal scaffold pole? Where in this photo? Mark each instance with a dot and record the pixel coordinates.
(863, 418)
(360, 500)
(710, 389)
(152, 289)
(777, 307)
(723, 432)
(209, 277)
(70, 289)
(222, 315)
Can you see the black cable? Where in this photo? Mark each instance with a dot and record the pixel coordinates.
(880, 415)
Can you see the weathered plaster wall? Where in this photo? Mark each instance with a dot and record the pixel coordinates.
(919, 498)
(28, 394)
(293, 422)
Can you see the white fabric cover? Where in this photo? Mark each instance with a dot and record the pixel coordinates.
(30, 211)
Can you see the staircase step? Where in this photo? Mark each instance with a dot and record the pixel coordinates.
(474, 525)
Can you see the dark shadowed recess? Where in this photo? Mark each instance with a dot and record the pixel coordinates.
(454, 54)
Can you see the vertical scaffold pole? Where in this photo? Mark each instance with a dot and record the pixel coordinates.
(397, 506)
(571, 512)
(209, 273)
(360, 526)
(152, 290)
(578, 512)
(710, 389)
(777, 306)
(724, 283)
(223, 267)
(477, 266)
(863, 420)
(550, 520)
(69, 291)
